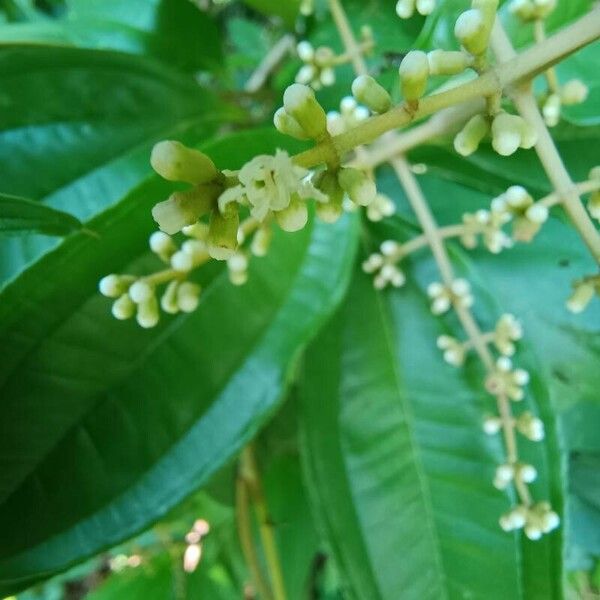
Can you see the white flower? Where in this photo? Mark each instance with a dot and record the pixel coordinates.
(506, 380)
(508, 330)
(381, 207)
(268, 184)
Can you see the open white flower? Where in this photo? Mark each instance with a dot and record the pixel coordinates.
(268, 184)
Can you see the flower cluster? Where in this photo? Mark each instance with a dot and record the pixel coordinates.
(406, 8)
(584, 291)
(557, 95)
(349, 116)
(535, 520)
(515, 206)
(318, 69)
(443, 297)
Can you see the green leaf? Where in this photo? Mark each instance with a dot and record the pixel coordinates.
(83, 142)
(111, 431)
(173, 31)
(19, 214)
(393, 434)
(286, 10)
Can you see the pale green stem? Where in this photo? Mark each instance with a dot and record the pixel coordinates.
(545, 147)
(528, 64)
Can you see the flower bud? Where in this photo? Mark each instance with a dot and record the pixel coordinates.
(574, 92)
(185, 208)
(506, 133)
(581, 296)
(472, 32)
(198, 231)
(261, 241)
(287, 125)
(188, 296)
(175, 162)
(299, 102)
(425, 7)
(306, 74)
(113, 286)
(524, 9)
(294, 217)
(305, 51)
(222, 234)
(147, 313)
(182, 261)
(442, 62)
(467, 141)
(327, 76)
(405, 8)
(492, 425)
(168, 301)
(141, 291)
(359, 186)
(551, 110)
(162, 245)
(123, 308)
(414, 72)
(368, 92)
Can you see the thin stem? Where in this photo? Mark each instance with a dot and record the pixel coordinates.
(352, 47)
(539, 34)
(269, 63)
(515, 71)
(251, 476)
(244, 527)
(476, 337)
(585, 187)
(546, 149)
(346, 57)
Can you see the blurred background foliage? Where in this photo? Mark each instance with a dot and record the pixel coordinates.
(115, 441)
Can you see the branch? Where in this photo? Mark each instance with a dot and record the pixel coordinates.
(521, 68)
(545, 147)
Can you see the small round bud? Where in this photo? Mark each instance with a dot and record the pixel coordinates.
(261, 241)
(123, 308)
(533, 532)
(506, 134)
(368, 92)
(175, 162)
(162, 244)
(551, 110)
(405, 8)
(182, 261)
(359, 186)
(299, 101)
(112, 286)
(537, 213)
(147, 313)
(425, 7)
(141, 291)
(442, 62)
(574, 92)
(414, 72)
(294, 217)
(306, 74)
(188, 296)
(527, 473)
(327, 76)
(492, 425)
(287, 125)
(550, 521)
(305, 51)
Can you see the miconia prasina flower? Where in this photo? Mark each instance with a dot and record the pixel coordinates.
(368, 92)
(414, 73)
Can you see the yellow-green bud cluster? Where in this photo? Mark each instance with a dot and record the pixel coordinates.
(535, 520)
(302, 116)
(383, 266)
(414, 73)
(454, 351)
(505, 380)
(487, 224)
(527, 216)
(368, 92)
(511, 132)
(406, 8)
(474, 26)
(349, 116)
(458, 293)
(381, 207)
(508, 331)
(573, 92)
(318, 69)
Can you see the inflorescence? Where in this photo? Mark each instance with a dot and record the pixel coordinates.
(229, 215)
